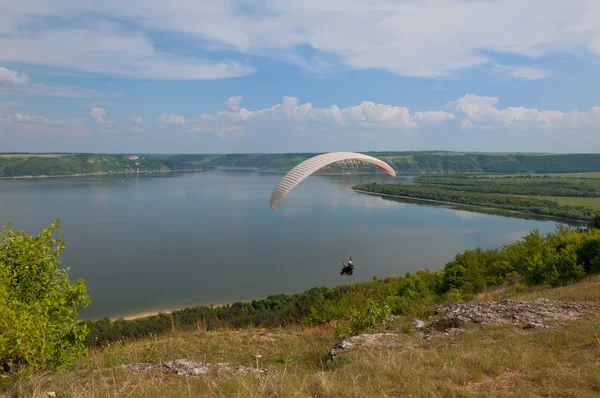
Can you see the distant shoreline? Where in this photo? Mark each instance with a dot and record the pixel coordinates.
(28, 177)
(555, 218)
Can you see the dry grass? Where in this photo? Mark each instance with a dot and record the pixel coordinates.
(586, 290)
(491, 361)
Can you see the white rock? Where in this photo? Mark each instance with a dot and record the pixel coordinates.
(418, 325)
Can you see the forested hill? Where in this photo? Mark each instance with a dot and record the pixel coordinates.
(39, 165)
(20, 165)
(416, 162)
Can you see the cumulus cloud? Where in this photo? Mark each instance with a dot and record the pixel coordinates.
(482, 111)
(171, 119)
(233, 103)
(137, 119)
(12, 78)
(365, 114)
(410, 38)
(471, 122)
(97, 114)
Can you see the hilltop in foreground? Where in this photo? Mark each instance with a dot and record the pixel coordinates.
(522, 320)
(451, 357)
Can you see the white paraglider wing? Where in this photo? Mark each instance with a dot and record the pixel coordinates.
(296, 175)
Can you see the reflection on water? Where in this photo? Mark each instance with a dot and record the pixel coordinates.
(175, 239)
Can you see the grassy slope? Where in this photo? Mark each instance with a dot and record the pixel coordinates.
(491, 361)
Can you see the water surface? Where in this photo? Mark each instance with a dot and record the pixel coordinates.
(161, 241)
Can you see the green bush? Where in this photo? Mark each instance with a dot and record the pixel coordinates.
(374, 315)
(39, 325)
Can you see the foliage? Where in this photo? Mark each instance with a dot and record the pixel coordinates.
(416, 162)
(39, 323)
(555, 259)
(412, 162)
(73, 164)
(364, 320)
(525, 204)
(595, 223)
(517, 185)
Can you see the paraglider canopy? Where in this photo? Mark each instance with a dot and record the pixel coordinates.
(296, 175)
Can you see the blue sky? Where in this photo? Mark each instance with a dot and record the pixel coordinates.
(279, 76)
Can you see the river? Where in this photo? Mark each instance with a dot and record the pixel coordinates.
(170, 240)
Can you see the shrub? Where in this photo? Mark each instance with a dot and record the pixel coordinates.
(364, 320)
(39, 325)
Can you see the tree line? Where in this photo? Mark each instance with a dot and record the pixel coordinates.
(526, 204)
(517, 185)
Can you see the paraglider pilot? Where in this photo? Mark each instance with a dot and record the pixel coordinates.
(347, 269)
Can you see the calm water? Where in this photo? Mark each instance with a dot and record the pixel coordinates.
(163, 241)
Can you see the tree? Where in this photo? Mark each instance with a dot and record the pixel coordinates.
(595, 223)
(39, 320)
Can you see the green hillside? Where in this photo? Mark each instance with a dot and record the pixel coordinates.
(416, 162)
(21, 165)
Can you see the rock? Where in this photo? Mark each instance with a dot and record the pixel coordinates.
(186, 367)
(418, 325)
(376, 339)
(454, 331)
(533, 314)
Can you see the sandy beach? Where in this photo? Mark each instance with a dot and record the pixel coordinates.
(164, 311)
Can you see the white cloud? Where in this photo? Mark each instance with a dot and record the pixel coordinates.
(18, 117)
(97, 115)
(137, 119)
(470, 123)
(171, 119)
(106, 49)
(14, 82)
(12, 78)
(411, 38)
(524, 72)
(233, 103)
(367, 113)
(466, 124)
(481, 111)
